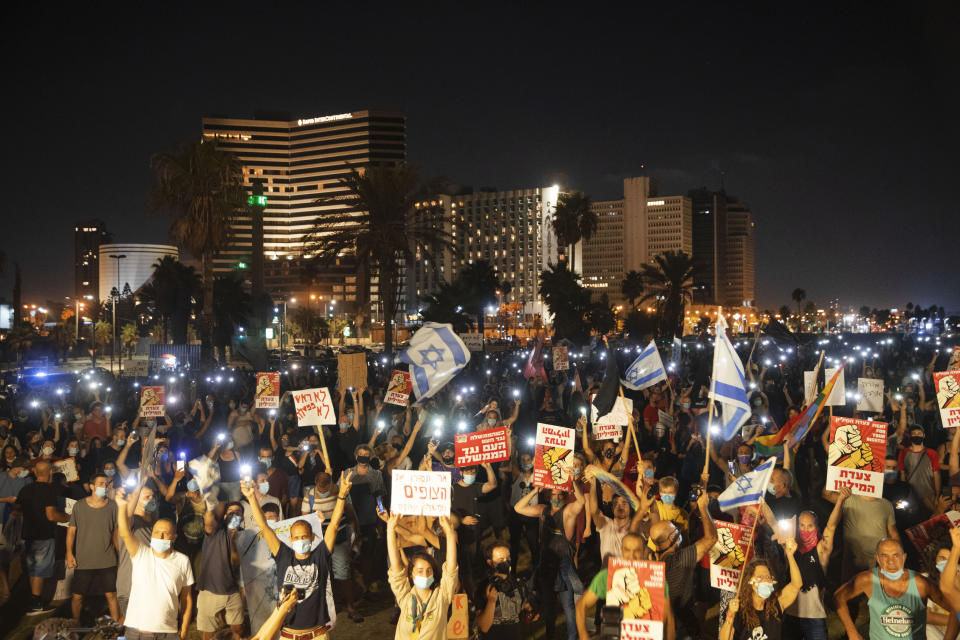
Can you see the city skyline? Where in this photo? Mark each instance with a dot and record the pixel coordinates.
(832, 129)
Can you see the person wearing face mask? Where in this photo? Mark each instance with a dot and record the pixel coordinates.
(503, 597)
(90, 550)
(13, 478)
(521, 527)
(919, 466)
(896, 598)
(348, 435)
(667, 506)
(899, 493)
(757, 610)
(7, 437)
(115, 446)
(142, 506)
(367, 485)
(39, 503)
(937, 616)
(950, 573)
(191, 509)
(161, 580)
(464, 504)
(442, 458)
(807, 617)
(229, 462)
(218, 585)
(261, 489)
(278, 480)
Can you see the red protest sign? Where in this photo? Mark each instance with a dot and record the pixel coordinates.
(948, 397)
(553, 457)
(855, 456)
(399, 389)
(637, 588)
(152, 401)
(728, 555)
(481, 447)
(267, 395)
(314, 407)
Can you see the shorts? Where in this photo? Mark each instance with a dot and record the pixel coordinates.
(340, 560)
(40, 557)
(209, 604)
(136, 634)
(94, 582)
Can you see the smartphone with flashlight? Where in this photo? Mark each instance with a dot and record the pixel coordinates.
(380, 505)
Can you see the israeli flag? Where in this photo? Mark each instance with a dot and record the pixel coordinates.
(728, 386)
(646, 370)
(747, 489)
(435, 355)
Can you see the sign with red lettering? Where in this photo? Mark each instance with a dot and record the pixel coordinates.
(481, 447)
(948, 397)
(152, 401)
(728, 555)
(553, 457)
(561, 359)
(399, 389)
(420, 493)
(637, 588)
(855, 456)
(457, 627)
(607, 431)
(267, 395)
(314, 407)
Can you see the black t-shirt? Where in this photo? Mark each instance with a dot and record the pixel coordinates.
(508, 611)
(216, 573)
(34, 500)
(464, 499)
(310, 575)
(784, 508)
(770, 625)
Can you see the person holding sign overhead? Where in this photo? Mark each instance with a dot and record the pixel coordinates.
(762, 606)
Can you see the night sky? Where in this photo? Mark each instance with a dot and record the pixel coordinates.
(838, 126)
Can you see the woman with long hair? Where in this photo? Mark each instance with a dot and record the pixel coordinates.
(757, 611)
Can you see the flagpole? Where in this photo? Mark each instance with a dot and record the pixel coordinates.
(633, 432)
(323, 447)
(713, 386)
(753, 531)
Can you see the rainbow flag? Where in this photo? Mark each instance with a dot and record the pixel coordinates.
(797, 427)
(605, 477)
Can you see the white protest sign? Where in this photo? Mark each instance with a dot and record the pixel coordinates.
(472, 341)
(136, 367)
(619, 415)
(809, 385)
(838, 397)
(420, 493)
(314, 407)
(871, 395)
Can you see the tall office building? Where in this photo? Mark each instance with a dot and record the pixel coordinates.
(88, 235)
(509, 229)
(709, 245)
(603, 253)
(299, 161)
(741, 290)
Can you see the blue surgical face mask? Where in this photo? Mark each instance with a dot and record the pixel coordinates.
(193, 485)
(469, 480)
(492, 422)
(526, 467)
(164, 456)
(264, 487)
(323, 494)
(350, 417)
(301, 546)
(668, 498)
(23, 473)
(895, 575)
(648, 473)
(941, 565)
(100, 492)
(765, 589)
(423, 582)
(771, 489)
(160, 545)
(233, 521)
(73, 451)
(150, 505)
(267, 462)
(151, 424)
(889, 476)
(120, 442)
(110, 472)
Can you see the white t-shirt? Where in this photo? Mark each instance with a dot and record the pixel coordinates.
(155, 596)
(611, 538)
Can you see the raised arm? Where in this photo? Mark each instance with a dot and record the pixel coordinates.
(451, 535)
(709, 538)
(330, 535)
(948, 580)
(123, 524)
(825, 546)
(513, 416)
(491, 482)
(789, 592)
(393, 554)
(587, 449)
(269, 535)
(524, 508)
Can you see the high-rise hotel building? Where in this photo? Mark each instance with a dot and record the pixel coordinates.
(297, 162)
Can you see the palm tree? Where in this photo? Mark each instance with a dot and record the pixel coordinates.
(799, 295)
(573, 220)
(129, 336)
(446, 305)
(601, 316)
(310, 326)
(632, 287)
(203, 187)
(567, 300)
(375, 223)
(169, 296)
(478, 284)
(670, 283)
(231, 305)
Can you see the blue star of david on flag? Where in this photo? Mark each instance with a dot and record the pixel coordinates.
(747, 489)
(646, 370)
(729, 387)
(435, 355)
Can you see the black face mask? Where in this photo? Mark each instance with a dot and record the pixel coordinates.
(448, 460)
(502, 567)
(363, 459)
(608, 453)
(916, 439)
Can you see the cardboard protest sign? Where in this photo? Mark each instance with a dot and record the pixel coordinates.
(954, 362)
(553, 457)
(267, 395)
(314, 407)
(930, 536)
(871, 395)
(619, 415)
(136, 367)
(472, 341)
(607, 431)
(809, 384)
(637, 588)
(856, 454)
(152, 401)
(561, 359)
(947, 384)
(457, 627)
(838, 397)
(420, 493)
(481, 447)
(399, 389)
(352, 371)
(68, 467)
(728, 555)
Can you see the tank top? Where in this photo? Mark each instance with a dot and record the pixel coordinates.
(521, 487)
(897, 618)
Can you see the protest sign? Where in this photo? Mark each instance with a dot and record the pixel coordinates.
(399, 389)
(838, 397)
(947, 384)
(809, 384)
(314, 407)
(67, 509)
(607, 431)
(637, 588)
(619, 415)
(553, 457)
(267, 395)
(728, 555)
(472, 341)
(855, 456)
(481, 447)
(871, 395)
(420, 493)
(136, 367)
(457, 627)
(151, 402)
(954, 362)
(352, 371)
(68, 467)
(665, 419)
(561, 359)
(930, 536)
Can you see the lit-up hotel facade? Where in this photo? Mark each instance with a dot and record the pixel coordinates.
(298, 162)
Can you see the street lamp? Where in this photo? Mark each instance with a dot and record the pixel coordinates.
(118, 258)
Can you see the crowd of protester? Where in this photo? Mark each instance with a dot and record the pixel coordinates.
(144, 544)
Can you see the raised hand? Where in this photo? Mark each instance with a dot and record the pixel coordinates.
(345, 483)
